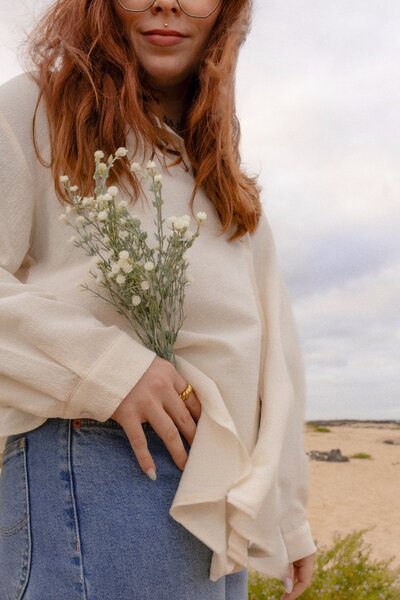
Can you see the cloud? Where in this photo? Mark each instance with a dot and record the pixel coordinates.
(351, 339)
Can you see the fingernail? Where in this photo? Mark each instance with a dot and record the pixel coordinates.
(288, 584)
(152, 474)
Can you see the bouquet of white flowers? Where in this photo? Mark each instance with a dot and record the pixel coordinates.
(145, 284)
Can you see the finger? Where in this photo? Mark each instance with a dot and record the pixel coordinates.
(182, 417)
(302, 579)
(194, 407)
(298, 588)
(166, 429)
(192, 403)
(138, 442)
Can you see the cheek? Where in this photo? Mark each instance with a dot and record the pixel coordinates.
(204, 37)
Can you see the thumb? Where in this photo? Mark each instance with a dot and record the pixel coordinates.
(288, 579)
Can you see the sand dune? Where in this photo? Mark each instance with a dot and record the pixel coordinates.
(359, 493)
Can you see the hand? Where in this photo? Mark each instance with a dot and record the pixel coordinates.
(155, 398)
(300, 572)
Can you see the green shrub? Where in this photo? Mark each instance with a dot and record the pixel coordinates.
(361, 455)
(322, 429)
(344, 571)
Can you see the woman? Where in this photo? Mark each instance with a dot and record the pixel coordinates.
(86, 409)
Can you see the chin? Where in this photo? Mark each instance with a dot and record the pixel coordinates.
(167, 78)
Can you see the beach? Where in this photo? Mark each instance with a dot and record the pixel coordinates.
(361, 492)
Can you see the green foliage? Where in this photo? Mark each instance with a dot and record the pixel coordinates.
(361, 455)
(322, 429)
(344, 571)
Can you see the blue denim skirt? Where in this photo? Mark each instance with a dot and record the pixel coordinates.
(79, 520)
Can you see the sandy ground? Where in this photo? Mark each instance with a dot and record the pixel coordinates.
(359, 493)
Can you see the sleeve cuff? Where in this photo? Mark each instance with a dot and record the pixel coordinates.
(110, 380)
(299, 542)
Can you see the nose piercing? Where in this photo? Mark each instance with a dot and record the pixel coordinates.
(165, 24)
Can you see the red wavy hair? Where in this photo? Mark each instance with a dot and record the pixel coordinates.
(93, 86)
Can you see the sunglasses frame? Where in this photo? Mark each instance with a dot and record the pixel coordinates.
(179, 4)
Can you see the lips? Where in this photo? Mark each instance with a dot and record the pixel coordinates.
(166, 32)
(164, 37)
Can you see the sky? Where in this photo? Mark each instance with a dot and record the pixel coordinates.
(318, 97)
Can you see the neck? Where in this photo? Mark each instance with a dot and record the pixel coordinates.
(173, 101)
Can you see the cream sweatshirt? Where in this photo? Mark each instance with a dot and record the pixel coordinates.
(66, 353)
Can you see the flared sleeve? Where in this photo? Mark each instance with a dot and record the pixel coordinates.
(56, 358)
(250, 506)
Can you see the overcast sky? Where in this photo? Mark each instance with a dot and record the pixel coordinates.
(318, 95)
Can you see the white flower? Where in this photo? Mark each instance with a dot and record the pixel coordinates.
(120, 152)
(64, 179)
(102, 216)
(115, 269)
(101, 168)
(122, 204)
(107, 197)
(158, 178)
(123, 255)
(171, 221)
(180, 223)
(98, 155)
(149, 266)
(88, 201)
(201, 216)
(123, 234)
(113, 190)
(127, 267)
(122, 220)
(151, 165)
(73, 188)
(136, 300)
(135, 167)
(80, 220)
(145, 285)
(120, 279)
(188, 235)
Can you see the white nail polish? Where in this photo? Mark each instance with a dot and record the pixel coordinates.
(288, 584)
(152, 474)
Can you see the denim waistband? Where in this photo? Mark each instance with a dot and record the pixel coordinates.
(87, 422)
(80, 423)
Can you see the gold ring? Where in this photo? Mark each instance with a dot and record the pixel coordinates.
(186, 392)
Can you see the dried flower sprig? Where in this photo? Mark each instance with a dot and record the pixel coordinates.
(145, 284)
